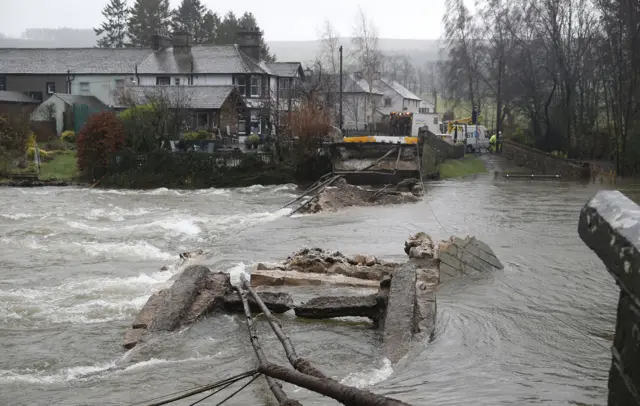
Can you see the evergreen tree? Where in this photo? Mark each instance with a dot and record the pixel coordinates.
(210, 26)
(231, 25)
(248, 20)
(228, 29)
(190, 17)
(113, 31)
(148, 17)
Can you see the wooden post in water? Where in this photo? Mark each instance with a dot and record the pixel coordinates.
(610, 226)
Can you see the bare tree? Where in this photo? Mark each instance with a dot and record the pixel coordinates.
(48, 112)
(329, 54)
(462, 41)
(367, 56)
(155, 115)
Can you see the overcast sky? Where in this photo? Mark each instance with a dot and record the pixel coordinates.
(281, 20)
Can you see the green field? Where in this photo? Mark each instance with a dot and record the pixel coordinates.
(456, 168)
(62, 167)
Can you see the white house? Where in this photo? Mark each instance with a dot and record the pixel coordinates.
(176, 62)
(427, 107)
(105, 73)
(397, 97)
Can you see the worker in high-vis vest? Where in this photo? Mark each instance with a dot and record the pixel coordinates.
(492, 143)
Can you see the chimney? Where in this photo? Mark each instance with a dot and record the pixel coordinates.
(249, 41)
(160, 41)
(181, 41)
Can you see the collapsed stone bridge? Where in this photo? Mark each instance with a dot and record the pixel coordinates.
(402, 302)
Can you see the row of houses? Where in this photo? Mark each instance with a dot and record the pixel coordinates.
(224, 86)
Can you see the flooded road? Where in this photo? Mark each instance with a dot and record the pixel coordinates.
(77, 265)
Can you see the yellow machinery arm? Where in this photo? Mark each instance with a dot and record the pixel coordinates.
(467, 120)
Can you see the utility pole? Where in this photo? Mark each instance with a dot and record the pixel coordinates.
(341, 119)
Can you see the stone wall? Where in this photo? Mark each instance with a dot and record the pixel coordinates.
(540, 162)
(435, 150)
(443, 149)
(610, 225)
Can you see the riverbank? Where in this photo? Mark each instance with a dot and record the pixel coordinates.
(60, 170)
(456, 168)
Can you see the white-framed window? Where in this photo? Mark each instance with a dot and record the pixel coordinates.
(241, 84)
(84, 88)
(163, 81)
(51, 87)
(256, 86)
(387, 101)
(119, 84)
(176, 81)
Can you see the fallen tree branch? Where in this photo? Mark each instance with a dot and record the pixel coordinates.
(346, 395)
(275, 387)
(298, 363)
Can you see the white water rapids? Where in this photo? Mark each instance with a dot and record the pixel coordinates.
(77, 264)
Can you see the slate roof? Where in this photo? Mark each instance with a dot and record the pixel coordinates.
(72, 99)
(401, 90)
(53, 61)
(285, 69)
(16, 97)
(197, 97)
(204, 58)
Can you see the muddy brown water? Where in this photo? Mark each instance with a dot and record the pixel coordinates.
(77, 264)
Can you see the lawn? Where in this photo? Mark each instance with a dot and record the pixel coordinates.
(456, 168)
(62, 167)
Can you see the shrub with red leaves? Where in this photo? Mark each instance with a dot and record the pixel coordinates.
(101, 136)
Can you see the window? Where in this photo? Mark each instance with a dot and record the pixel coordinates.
(51, 87)
(84, 87)
(163, 80)
(435, 120)
(176, 81)
(387, 101)
(35, 95)
(202, 120)
(241, 84)
(119, 84)
(256, 86)
(3, 83)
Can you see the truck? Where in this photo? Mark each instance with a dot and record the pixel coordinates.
(474, 136)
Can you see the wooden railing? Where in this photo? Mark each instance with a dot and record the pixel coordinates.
(610, 225)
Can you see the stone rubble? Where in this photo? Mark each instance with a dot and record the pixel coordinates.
(342, 194)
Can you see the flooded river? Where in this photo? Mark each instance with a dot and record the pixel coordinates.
(77, 265)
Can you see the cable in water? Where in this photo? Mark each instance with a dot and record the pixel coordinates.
(230, 396)
(195, 390)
